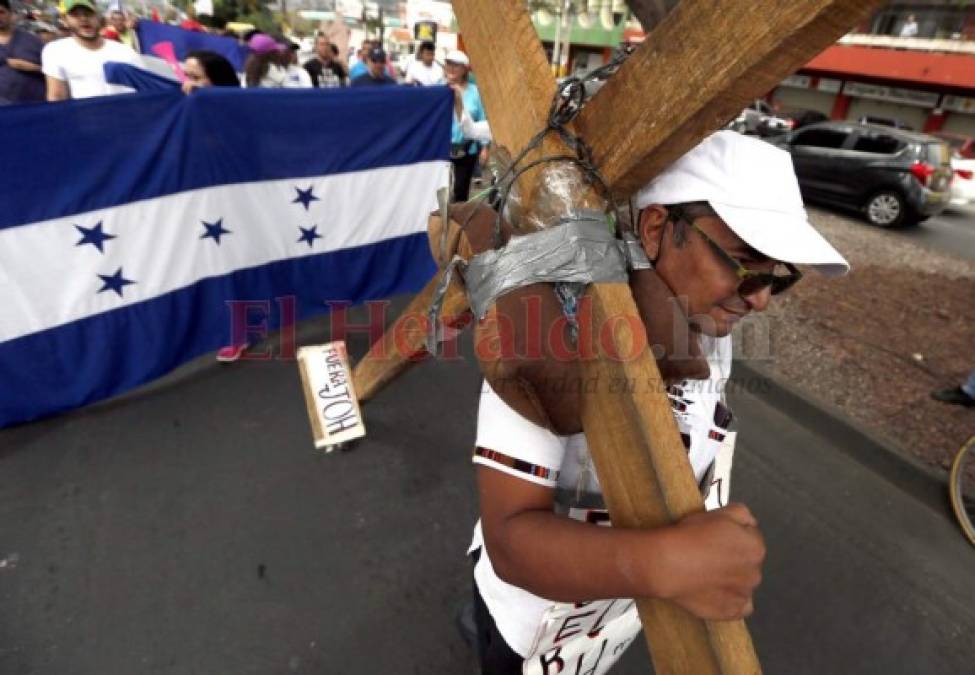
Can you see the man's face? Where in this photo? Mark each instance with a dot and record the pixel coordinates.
(705, 284)
(117, 19)
(83, 23)
(323, 49)
(6, 19)
(376, 68)
(426, 56)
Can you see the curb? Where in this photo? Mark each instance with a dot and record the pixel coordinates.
(871, 449)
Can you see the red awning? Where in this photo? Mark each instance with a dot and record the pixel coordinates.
(896, 65)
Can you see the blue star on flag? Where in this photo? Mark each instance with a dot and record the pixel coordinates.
(309, 235)
(214, 230)
(115, 282)
(94, 236)
(305, 197)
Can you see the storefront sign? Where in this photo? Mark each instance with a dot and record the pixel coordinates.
(959, 104)
(922, 99)
(829, 85)
(797, 81)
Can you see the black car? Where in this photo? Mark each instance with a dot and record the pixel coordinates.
(894, 177)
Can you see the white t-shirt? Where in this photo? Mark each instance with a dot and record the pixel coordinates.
(297, 77)
(508, 442)
(83, 69)
(428, 76)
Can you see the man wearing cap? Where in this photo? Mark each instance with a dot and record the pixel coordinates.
(723, 227)
(263, 65)
(20, 61)
(375, 75)
(74, 66)
(463, 151)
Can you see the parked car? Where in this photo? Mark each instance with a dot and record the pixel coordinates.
(761, 119)
(963, 163)
(894, 177)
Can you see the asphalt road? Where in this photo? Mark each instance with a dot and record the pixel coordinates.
(953, 231)
(190, 528)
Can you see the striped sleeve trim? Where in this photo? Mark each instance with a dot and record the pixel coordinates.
(516, 466)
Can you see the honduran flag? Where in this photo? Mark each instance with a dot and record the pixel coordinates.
(128, 223)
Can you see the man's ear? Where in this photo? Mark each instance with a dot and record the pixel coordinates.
(653, 222)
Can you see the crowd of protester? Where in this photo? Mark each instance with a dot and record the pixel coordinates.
(62, 54)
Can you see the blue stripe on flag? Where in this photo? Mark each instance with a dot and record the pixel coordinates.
(77, 156)
(109, 353)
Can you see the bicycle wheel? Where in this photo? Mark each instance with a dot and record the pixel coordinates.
(961, 486)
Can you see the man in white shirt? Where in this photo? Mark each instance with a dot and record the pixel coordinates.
(296, 76)
(723, 227)
(425, 71)
(74, 66)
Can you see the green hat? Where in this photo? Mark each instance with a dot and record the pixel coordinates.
(71, 4)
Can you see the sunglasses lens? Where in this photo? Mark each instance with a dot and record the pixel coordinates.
(757, 283)
(784, 283)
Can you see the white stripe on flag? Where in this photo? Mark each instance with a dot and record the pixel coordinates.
(47, 279)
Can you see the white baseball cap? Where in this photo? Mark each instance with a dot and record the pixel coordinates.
(459, 57)
(752, 186)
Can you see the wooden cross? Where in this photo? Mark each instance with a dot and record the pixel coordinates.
(700, 65)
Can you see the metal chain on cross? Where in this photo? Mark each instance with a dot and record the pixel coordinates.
(585, 247)
(568, 102)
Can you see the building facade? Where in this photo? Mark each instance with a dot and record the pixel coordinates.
(925, 79)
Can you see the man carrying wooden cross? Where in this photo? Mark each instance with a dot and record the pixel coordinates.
(723, 227)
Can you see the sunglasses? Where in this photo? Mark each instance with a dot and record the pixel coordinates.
(749, 281)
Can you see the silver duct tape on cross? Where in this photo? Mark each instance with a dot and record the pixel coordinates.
(581, 249)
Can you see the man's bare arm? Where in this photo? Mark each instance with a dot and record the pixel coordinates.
(57, 90)
(24, 66)
(709, 563)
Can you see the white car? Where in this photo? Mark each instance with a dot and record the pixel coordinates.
(761, 119)
(963, 165)
(963, 184)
